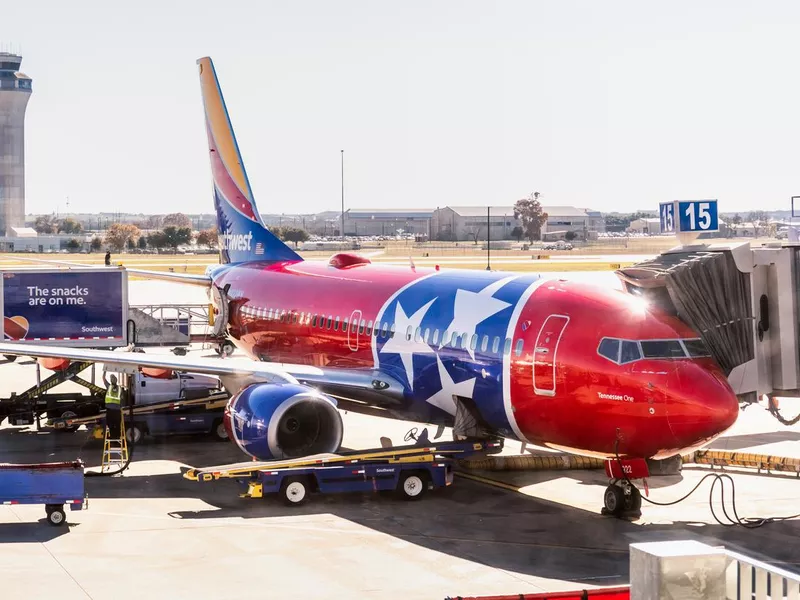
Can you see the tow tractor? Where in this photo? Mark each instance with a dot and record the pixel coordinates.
(409, 470)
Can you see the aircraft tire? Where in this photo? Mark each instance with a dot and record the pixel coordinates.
(614, 500)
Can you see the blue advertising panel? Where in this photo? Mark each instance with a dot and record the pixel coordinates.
(64, 305)
(666, 212)
(698, 216)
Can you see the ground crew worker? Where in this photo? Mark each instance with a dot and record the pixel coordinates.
(108, 258)
(113, 406)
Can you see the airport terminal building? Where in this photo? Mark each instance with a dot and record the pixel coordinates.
(462, 223)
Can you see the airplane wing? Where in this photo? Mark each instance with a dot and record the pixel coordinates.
(356, 387)
(185, 278)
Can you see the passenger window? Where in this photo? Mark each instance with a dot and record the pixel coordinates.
(344, 324)
(302, 317)
(426, 336)
(418, 335)
(295, 317)
(435, 339)
(392, 331)
(463, 341)
(336, 324)
(361, 327)
(369, 327)
(507, 346)
(609, 348)
(518, 349)
(663, 349)
(269, 314)
(409, 332)
(385, 329)
(330, 321)
(629, 353)
(484, 343)
(496, 344)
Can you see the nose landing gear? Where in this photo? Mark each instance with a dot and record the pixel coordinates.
(622, 499)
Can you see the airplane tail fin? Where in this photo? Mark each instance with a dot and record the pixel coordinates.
(242, 234)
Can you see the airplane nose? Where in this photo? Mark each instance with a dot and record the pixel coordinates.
(700, 404)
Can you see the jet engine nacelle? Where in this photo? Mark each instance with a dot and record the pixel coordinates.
(278, 421)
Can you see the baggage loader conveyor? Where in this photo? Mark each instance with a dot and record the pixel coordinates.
(198, 415)
(408, 470)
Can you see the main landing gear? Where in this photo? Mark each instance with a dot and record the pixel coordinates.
(622, 499)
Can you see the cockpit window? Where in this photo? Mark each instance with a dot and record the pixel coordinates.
(663, 349)
(696, 348)
(630, 352)
(609, 348)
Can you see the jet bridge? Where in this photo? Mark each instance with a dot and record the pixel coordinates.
(741, 299)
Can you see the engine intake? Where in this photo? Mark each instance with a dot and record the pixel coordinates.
(277, 421)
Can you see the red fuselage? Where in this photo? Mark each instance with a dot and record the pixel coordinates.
(529, 352)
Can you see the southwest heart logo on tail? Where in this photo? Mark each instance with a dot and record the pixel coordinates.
(242, 235)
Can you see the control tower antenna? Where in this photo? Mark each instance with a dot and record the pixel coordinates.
(15, 91)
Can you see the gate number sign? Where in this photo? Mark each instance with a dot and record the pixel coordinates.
(689, 216)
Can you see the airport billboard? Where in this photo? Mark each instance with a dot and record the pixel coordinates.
(78, 308)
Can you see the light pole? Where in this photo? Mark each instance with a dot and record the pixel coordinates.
(342, 152)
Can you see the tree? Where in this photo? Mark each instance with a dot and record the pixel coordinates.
(176, 236)
(208, 237)
(529, 211)
(119, 234)
(517, 233)
(44, 224)
(73, 245)
(96, 243)
(177, 220)
(570, 235)
(473, 231)
(736, 219)
(132, 243)
(69, 225)
(758, 218)
(154, 222)
(142, 243)
(157, 240)
(294, 234)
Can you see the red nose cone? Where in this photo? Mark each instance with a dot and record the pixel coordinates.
(701, 405)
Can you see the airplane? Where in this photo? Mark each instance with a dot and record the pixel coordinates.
(547, 361)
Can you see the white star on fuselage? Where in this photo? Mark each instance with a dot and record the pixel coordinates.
(444, 397)
(471, 308)
(400, 342)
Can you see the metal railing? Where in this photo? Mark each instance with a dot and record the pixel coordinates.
(750, 579)
(183, 317)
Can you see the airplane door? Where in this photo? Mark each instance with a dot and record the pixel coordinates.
(544, 354)
(352, 331)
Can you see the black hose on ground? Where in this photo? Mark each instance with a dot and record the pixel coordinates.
(747, 522)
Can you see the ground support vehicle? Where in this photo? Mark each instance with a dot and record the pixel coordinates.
(408, 470)
(198, 415)
(28, 407)
(51, 484)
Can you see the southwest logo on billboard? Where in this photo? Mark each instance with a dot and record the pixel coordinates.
(236, 241)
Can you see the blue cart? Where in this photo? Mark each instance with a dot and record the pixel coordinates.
(51, 484)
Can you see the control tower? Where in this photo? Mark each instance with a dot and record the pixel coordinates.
(15, 90)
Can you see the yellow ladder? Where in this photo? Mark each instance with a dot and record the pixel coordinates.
(115, 451)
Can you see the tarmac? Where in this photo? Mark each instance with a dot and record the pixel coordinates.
(152, 533)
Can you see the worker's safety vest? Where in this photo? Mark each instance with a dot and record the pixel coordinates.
(113, 395)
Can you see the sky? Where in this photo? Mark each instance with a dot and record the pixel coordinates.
(614, 106)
